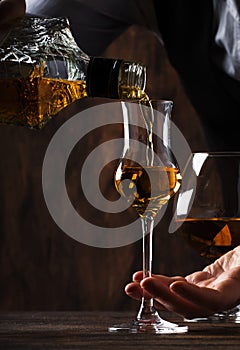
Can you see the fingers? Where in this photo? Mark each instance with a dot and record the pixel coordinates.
(199, 294)
(138, 276)
(228, 286)
(135, 287)
(134, 291)
(203, 301)
(179, 297)
(220, 291)
(175, 294)
(199, 277)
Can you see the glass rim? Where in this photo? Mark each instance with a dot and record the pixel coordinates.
(136, 100)
(218, 153)
(161, 100)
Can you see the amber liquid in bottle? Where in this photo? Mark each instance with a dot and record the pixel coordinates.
(34, 100)
(42, 71)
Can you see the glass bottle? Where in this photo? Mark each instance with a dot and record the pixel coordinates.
(42, 70)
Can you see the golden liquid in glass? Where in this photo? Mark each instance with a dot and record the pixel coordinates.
(211, 237)
(149, 188)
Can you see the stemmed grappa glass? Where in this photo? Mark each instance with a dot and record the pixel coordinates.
(147, 176)
(208, 211)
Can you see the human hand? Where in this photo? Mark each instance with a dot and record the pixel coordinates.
(216, 288)
(11, 9)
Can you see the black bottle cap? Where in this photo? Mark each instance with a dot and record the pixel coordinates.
(103, 77)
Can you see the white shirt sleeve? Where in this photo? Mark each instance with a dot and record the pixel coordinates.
(226, 49)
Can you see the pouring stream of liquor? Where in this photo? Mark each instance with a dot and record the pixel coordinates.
(148, 118)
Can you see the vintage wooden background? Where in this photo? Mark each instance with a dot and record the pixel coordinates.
(41, 268)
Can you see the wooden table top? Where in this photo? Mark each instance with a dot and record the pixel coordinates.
(89, 330)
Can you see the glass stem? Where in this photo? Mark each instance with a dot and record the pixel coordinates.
(147, 312)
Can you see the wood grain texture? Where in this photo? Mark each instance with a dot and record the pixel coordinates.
(81, 330)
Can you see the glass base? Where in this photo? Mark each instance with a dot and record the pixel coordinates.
(155, 327)
(228, 316)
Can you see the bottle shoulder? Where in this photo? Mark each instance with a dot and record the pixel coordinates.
(44, 42)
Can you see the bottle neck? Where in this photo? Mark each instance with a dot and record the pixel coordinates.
(132, 80)
(114, 78)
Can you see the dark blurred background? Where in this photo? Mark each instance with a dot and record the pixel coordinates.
(41, 267)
